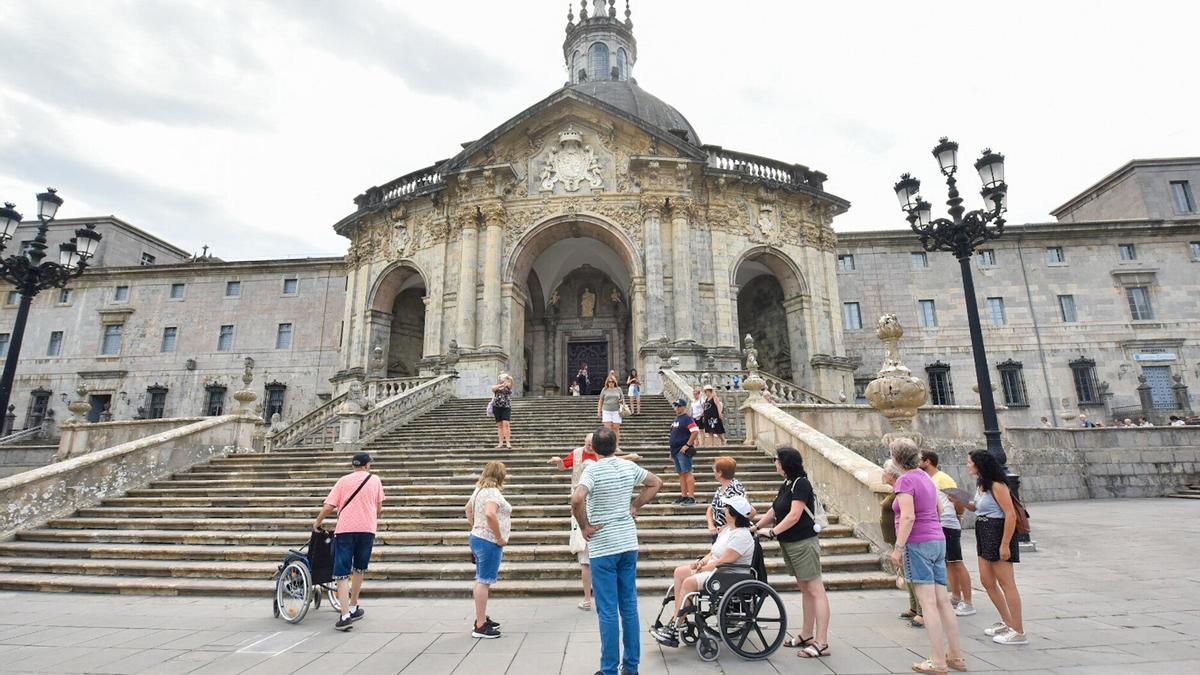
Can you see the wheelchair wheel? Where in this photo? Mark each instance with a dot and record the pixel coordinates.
(752, 619)
(293, 587)
(331, 593)
(708, 647)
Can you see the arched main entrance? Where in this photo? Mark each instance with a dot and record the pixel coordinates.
(576, 276)
(396, 320)
(771, 298)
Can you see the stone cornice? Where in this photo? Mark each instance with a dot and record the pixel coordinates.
(1052, 231)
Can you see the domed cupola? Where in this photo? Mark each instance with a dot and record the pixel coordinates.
(599, 47)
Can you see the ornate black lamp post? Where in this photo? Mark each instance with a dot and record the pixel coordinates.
(29, 275)
(960, 234)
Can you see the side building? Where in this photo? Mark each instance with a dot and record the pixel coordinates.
(1098, 314)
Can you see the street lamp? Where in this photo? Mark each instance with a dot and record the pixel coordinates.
(29, 275)
(961, 234)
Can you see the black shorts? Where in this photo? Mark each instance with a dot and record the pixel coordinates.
(953, 544)
(988, 534)
(502, 413)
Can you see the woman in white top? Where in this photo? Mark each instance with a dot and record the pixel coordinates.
(489, 515)
(698, 412)
(734, 544)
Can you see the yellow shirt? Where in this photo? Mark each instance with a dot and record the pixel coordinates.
(943, 481)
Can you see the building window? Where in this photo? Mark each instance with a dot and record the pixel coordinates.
(291, 286)
(177, 291)
(111, 344)
(1139, 303)
(1012, 381)
(225, 339)
(1195, 245)
(1066, 308)
(846, 263)
(920, 260)
(39, 403)
(996, 311)
(283, 336)
(1185, 201)
(147, 259)
(233, 289)
(1084, 373)
(860, 390)
(941, 391)
(1055, 255)
(12, 298)
(928, 312)
(851, 316)
(214, 400)
(275, 394)
(987, 257)
(4, 338)
(622, 64)
(64, 296)
(1127, 251)
(156, 402)
(598, 61)
(55, 346)
(121, 294)
(170, 333)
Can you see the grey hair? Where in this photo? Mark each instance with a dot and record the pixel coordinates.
(905, 453)
(889, 467)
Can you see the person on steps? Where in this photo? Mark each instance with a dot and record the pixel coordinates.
(684, 435)
(357, 498)
(634, 382)
(608, 408)
(713, 424)
(502, 410)
(582, 381)
(490, 517)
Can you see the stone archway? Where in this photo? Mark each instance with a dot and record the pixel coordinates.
(396, 344)
(771, 301)
(576, 274)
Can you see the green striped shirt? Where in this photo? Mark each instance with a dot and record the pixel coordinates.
(610, 483)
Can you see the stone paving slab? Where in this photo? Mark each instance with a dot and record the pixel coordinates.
(1113, 589)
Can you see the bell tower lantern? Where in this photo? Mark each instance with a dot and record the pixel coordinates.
(599, 46)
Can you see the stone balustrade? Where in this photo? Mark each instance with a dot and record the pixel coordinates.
(763, 168)
(408, 185)
(309, 425)
(380, 390)
(404, 406)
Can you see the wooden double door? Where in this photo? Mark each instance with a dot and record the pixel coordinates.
(595, 355)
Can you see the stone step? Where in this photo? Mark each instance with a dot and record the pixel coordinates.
(390, 510)
(540, 470)
(246, 498)
(265, 589)
(530, 484)
(379, 571)
(392, 455)
(513, 491)
(298, 536)
(453, 553)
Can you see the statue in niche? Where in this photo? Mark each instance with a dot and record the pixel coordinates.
(553, 302)
(587, 304)
(595, 176)
(615, 297)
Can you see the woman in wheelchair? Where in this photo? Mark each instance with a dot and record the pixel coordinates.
(734, 545)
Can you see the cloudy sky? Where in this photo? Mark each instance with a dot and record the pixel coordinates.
(249, 126)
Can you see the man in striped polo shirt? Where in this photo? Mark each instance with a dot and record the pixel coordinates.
(604, 505)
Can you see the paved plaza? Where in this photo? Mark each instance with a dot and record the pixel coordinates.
(1113, 589)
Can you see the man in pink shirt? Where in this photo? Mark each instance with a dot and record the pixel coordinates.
(358, 499)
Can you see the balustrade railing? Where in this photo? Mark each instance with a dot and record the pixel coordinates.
(781, 390)
(405, 405)
(298, 432)
(763, 168)
(414, 183)
(378, 390)
(24, 435)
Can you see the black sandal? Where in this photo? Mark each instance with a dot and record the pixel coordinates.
(797, 642)
(813, 651)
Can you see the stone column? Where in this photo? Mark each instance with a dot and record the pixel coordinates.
(378, 342)
(655, 300)
(682, 270)
(637, 318)
(726, 313)
(493, 250)
(552, 382)
(793, 308)
(468, 220)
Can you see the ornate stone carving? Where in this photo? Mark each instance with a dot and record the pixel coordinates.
(587, 304)
(895, 393)
(572, 163)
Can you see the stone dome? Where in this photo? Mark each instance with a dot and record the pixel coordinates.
(630, 98)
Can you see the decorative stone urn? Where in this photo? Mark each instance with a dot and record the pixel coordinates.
(80, 406)
(895, 392)
(245, 396)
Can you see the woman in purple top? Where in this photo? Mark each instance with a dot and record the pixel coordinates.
(921, 546)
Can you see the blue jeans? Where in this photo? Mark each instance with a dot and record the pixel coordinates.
(351, 553)
(614, 586)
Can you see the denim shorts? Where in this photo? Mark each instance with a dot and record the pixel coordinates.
(925, 563)
(487, 559)
(351, 552)
(683, 461)
(635, 390)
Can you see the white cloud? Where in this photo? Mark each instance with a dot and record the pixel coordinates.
(251, 126)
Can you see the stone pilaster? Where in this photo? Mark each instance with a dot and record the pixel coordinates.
(655, 296)
(468, 258)
(726, 312)
(493, 250)
(682, 270)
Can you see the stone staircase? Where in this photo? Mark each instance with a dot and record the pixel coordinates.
(1188, 492)
(223, 527)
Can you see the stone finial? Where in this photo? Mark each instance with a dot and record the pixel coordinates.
(751, 353)
(246, 395)
(80, 406)
(896, 394)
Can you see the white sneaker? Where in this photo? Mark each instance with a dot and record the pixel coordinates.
(964, 609)
(998, 628)
(1012, 637)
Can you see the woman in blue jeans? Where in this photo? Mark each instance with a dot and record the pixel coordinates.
(489, 514)
(921, 547)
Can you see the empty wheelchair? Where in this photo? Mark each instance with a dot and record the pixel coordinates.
(734, 608)
(303, 576)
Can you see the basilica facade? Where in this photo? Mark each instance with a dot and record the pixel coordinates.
(594, 227)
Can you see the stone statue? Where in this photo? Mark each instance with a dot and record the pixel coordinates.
(615, 296)
(356, 401)
(547, 176)
(587, 304)
(553, 299)
(595, 173)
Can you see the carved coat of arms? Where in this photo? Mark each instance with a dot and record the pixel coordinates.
(571, 163)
